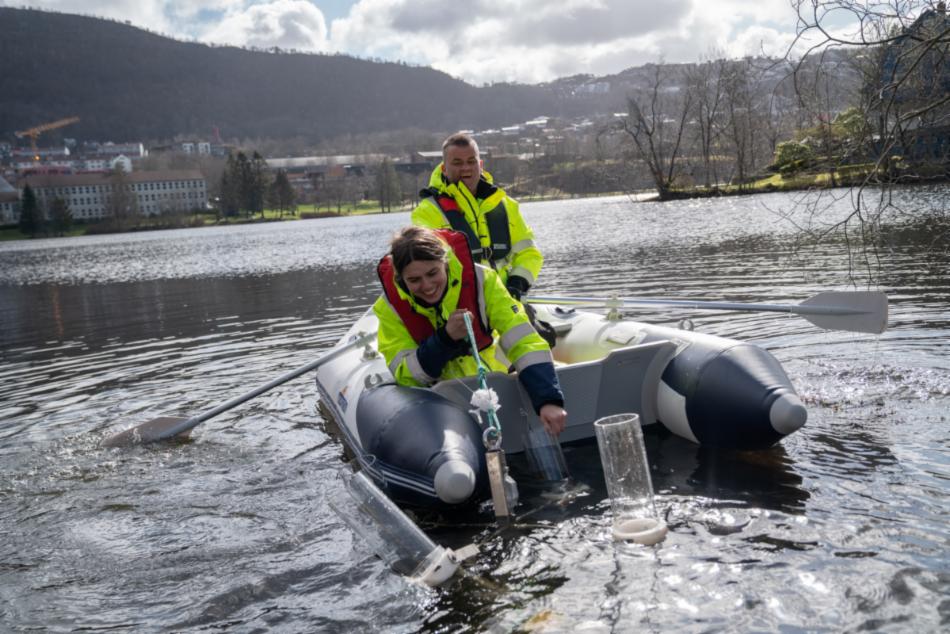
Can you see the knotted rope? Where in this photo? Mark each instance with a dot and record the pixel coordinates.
(484, 399)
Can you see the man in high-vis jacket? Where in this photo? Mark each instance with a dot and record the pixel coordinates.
(463, 197)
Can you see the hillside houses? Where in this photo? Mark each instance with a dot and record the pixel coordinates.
(913, 88)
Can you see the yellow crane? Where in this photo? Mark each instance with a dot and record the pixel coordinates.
(36, 131)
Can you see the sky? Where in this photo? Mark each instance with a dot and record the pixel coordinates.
(479, 41)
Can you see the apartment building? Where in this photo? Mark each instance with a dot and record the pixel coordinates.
(88, 195)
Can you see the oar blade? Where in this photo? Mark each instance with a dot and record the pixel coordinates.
(150, 431)
(858, 311)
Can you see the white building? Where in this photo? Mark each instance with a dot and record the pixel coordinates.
(44, 154)
(94, 165)
(121, 162)
(88, 195)
(111, 150)
(9, 208)
(59, 164)
(9, 203)
(201, 147)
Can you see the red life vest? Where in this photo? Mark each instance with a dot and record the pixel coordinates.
(497, 220)
(418, 325)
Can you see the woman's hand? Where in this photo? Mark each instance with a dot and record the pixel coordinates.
(553, 417)
(455, 325)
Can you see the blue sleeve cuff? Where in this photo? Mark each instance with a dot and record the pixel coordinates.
(540, 381)
(437, 350)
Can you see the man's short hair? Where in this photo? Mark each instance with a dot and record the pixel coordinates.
(459, 139)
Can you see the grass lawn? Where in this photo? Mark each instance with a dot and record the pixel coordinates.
(11, 232)
(845, 175)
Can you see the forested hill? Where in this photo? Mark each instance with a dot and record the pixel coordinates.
(128, 84)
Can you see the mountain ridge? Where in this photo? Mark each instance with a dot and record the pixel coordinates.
(126, 83)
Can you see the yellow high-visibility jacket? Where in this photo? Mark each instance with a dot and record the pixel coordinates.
(511, 251)
(518, 340)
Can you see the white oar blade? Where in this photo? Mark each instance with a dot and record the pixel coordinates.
(857, 311)
(151, 431)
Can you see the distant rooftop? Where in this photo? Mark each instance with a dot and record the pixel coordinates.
(5, 187)
(105, 178)
(323, 161)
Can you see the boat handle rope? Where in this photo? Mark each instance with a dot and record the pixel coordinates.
(484, 399)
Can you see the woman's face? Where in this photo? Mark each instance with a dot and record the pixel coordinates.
(426, 280)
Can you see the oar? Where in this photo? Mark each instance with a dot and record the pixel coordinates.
(167, 427)
(855, 311)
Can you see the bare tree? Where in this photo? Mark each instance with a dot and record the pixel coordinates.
(121, 202)
(387, 186)
(655, 124)
(705, 83)
(902, 48)
(745, 115)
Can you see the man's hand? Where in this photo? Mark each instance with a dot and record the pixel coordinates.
(517, 286)
(554, 418)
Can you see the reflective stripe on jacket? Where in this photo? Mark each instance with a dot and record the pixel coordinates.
(504, 240)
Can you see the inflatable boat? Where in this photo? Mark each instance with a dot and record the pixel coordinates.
(423, 446)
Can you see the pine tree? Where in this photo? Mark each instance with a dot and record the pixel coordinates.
(243, 182)
(30, 220)
(284, 195)
(230, 199)
(257, 183)
(61, 218)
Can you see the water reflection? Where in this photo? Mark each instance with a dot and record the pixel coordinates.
(842, 527)
(157, 309)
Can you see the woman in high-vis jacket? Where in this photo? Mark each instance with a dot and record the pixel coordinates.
(429, 282)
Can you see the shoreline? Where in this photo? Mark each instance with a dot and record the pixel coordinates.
(764, 186)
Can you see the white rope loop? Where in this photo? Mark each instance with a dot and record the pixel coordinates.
(484, 399)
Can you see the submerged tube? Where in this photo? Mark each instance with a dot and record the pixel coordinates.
(730, 396)
(428, 449)
(390, 533)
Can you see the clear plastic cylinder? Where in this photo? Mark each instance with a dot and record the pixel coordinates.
(627, 473)
(544, 453)
(389, 532)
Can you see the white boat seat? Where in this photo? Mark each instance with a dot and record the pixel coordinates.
(623, 381)
(561, 327)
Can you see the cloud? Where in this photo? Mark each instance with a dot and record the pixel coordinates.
(480, 41)
(539, 40)
(508, 40)
(592, 22)
(296, 24)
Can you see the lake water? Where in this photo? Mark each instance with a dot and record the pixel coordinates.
(842, 527)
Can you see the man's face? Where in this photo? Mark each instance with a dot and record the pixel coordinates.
(462, 164)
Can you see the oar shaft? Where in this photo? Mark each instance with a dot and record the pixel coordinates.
(193, 421)
(854, 311)
(702, 305)
(775, 308)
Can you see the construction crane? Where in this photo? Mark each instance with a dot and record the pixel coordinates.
(36, 131)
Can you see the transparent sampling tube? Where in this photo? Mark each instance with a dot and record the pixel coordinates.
(627, 473)
(390, 533)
